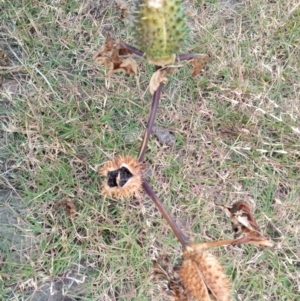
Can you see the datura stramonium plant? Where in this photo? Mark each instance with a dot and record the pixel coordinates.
(160, 29)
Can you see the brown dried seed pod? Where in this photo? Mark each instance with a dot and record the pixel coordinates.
(193, 280)
(244, 225)
(123, 177)
(201, 272)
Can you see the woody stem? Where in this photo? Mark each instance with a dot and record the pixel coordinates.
(179, 57)
(155, 102)
(189, 56)
(178, 233)
(132, 49)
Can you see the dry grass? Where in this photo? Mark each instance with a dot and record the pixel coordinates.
(237, 137)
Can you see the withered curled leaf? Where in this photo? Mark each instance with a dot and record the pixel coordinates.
(244, 225)
(158, 77)
(203, 276)
(115, 57)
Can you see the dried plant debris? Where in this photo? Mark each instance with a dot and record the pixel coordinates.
(168, 278)
(159, 76)
(199, 63)
(163, 135)
(68, 206)
(116, 58)
(203, 276)
(123, 177)
(4, 59)
(123, 7)
(199, 277)
(244, 225)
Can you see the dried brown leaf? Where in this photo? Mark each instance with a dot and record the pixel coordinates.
(202, 273)
(158, 77)
(127, 65)
(199, 63)
(114, 56)
(68, 206)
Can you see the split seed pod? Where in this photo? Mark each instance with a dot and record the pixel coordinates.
(245, 226)
(202, 274)
(123, 177)
(160, 29)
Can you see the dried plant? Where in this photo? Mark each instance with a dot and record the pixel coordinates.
(198, 277)
(244, 225)
(203, 275)
(169, 279)
(160, 29)
(117, 58)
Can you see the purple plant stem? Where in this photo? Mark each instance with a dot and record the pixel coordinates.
(154, 106)
(179, 57)
(132, 49)
(147, 188)
(189, 56)
(178, 233)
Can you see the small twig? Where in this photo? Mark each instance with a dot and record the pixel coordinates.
(178, 233)
(155, 102)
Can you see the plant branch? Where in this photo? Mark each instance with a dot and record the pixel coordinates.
(189, 56)
(179, 57)
(154, 106)
(178, 233)
(132, 49)
(251, 240)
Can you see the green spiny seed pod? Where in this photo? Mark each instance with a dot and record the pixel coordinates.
(160, 29)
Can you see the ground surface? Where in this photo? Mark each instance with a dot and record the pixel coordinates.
(237, 133)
